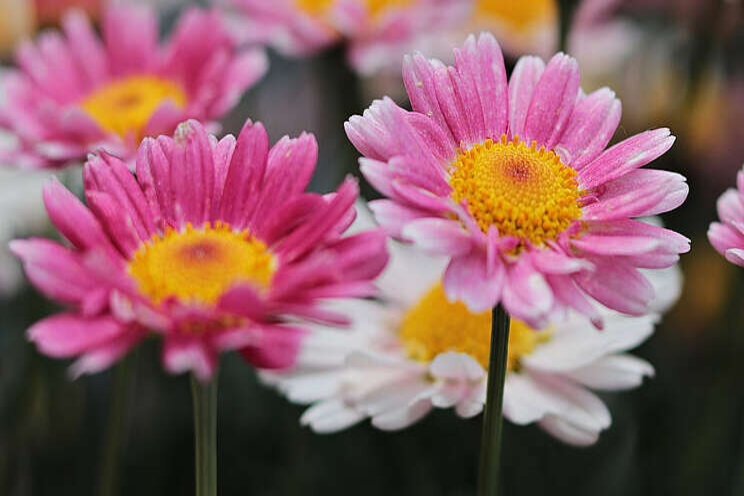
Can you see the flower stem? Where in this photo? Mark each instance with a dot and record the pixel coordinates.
(116, 428)
(205, 435)
(490, 461)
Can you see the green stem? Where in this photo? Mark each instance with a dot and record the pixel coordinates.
(116, 428)
(490, 461)
(205, 435)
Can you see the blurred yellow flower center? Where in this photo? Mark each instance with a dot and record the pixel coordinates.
(125, 106)
(523, 191)
(435, 325)
(375, 8)
(314, 7)
(517, 14)
(199, 265)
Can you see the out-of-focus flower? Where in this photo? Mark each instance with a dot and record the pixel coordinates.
(512, 182)
(529, 26)
(210, 247)
(727, 236)
(17, 21)
(415, 350)
(77, 93)
(378, 32)
(51, 11)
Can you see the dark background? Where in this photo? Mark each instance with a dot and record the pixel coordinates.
(681, 433)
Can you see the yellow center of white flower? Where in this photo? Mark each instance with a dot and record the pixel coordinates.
(124, 106)
(516, 14)
(435, 325)
(523, 191)
(199, 265)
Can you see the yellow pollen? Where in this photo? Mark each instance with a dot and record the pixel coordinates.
(377, 8)
(523, 191)
(435, 325)
(199, 265)
(517, 14)
(125, 106)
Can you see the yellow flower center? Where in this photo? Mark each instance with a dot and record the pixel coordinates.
(124, 106)
(377, 8)
(523, 191)
(435, 325)
(516, 14)
(199, 265)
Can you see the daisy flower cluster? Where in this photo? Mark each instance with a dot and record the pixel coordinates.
(503, 195)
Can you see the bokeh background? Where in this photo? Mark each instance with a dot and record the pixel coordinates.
(679, 63)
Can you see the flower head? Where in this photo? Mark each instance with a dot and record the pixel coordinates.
(414, 350)
(727, 236)
(74, 93)
(212, 246)
(512, 182)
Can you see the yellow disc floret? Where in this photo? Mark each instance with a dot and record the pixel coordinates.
(199, 265)
(523, 191)
(377, 8)
(517, 14)
(314, 7)
(125, 106)
(435, 325)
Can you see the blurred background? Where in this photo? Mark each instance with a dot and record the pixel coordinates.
(675, 63)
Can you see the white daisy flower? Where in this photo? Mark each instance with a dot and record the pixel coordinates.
(413, 350)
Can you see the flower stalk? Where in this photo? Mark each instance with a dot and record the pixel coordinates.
(490, 461)
(205, 435)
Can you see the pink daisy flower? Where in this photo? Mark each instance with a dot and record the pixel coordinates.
(727, 236)
(512, 182)
(76, 93)
(377, 31)
(210, 247)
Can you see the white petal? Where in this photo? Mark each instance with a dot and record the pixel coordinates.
(402, 417)
(395, 395)
(569, 433)
(454, 365)
(330, 416)
(613, 373)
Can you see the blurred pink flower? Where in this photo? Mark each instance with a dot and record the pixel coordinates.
(512, 182)
(378, 32)
(727, 236)
(210, 247)
(75, 94)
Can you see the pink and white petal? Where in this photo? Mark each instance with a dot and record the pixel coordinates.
(393, 216)
(670, 240)
(189, 354)
(456, 366)
(102, 357)
(245, 174)
(591, 128)
(624, 157)
(549, 261)
(527, 295)
(614, 245)
(553, 101)
(524, 78)
(730, 206)
(420, 83)
(617, 286)
(735, 256)
(468, 279)
(613, 373)
(724, 238)
(639, 193)
(438, 236)
(566, 292)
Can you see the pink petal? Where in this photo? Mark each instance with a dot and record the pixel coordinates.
(617, 286)
(467, 279)
(66, 334)
(522, 85)
(418, 76)
(73, 220)
(553, 102)
(438, 236)
(625, 156)
(277, 347)
(192, 181)
(527, 296)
